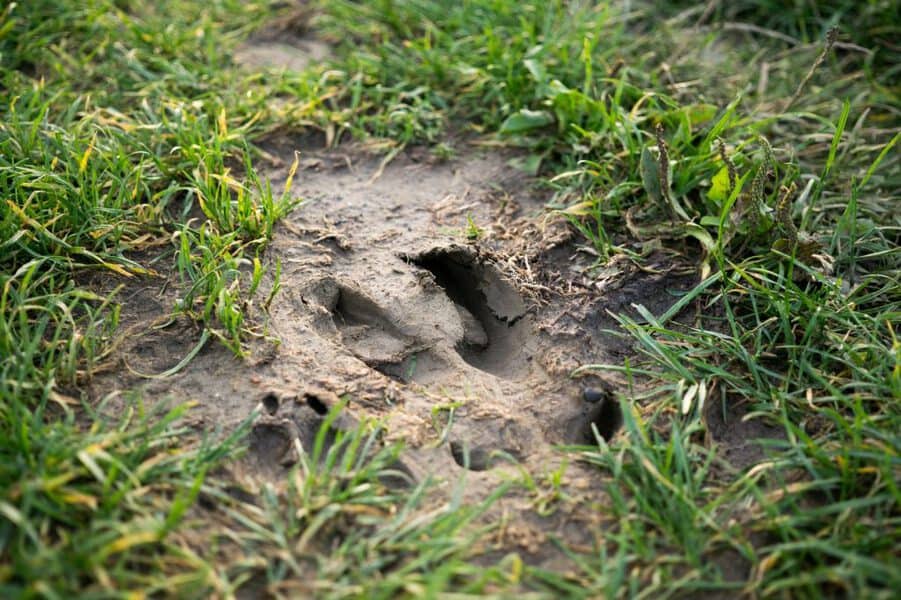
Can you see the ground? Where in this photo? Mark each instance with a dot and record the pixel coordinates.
(399, 298)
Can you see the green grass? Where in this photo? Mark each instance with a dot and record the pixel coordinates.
(338, 530)
(101, 510)
(728, 132)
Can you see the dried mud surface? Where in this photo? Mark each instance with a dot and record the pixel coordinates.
(286, 43)
(385, 301)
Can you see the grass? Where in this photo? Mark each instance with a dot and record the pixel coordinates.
(730, 132)
(94, 511)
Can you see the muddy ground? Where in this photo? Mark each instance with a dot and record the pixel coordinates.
(389, 300)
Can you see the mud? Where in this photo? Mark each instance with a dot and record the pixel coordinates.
(463, 347)
(285, 43)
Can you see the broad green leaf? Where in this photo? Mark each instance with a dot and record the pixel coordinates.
(782, 245)
(719, 186)
(699, 113)
(529, 164)
(526, 120)
(702, 235)
(535, 69)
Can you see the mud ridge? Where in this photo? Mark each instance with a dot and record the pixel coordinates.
(490, 310)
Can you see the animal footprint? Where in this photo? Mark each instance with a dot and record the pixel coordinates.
(489, 308)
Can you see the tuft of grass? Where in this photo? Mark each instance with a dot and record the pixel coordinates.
(349, 522)
(813, 354)
(99, 509)
(117, 120)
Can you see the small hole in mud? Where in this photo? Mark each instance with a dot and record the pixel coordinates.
(400, 372)
(410, 368)
(320, 407)
(606, 417)
(270, 403)
(347, 309)
(268, 443)
(474, 459)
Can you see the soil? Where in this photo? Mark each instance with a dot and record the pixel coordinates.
(389, 299)
(285, 43)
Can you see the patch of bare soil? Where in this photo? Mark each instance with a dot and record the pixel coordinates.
(294, 55)
(285, 43)
(386, 301)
